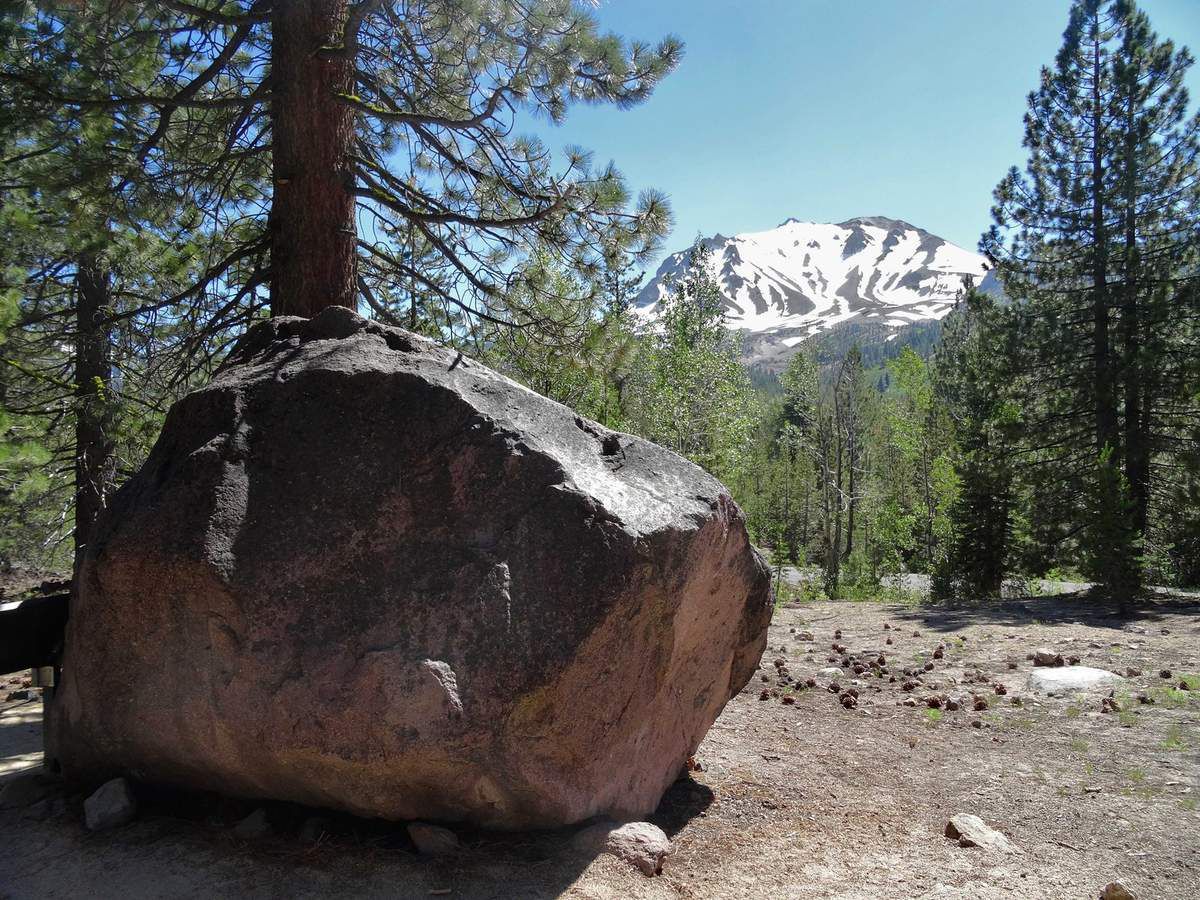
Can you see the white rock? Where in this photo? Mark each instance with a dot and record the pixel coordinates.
(432, 840)
(1070, 679)
(970, 831)
(830, 670)
(639, 843)
(112, 804)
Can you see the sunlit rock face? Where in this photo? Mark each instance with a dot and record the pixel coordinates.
(361, 571)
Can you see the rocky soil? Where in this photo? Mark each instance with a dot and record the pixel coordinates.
(810, 792)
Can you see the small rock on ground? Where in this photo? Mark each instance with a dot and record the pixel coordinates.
(112, 805)
(254, 826)
(641, 844)
(432, 840)
(970, 831)
(1114, 890)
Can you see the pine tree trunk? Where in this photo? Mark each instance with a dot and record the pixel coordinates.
(927, 492)
(789, 533)
(94, 461)
(804, 521)
(1105, 400)
(852, 504)
(1137, 456)
(835, 550)
(312, 211)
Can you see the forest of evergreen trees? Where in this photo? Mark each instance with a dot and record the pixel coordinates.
(1056, 430)
(163, 187)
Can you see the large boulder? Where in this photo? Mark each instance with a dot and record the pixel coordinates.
(362, 571)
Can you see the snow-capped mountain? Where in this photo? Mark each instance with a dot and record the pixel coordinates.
(784, 285)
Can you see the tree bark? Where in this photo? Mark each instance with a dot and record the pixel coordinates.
(833, 576)
(1105, 398)
(1137, 439)
(852, 502)
(804, 521)
(312, 210)
(94, 460)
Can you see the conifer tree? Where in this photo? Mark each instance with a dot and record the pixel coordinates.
(689, 391)
(104, 262)
(387, 127)
(972, 382)
(1094, 243)
(796, 441)
(848, 398)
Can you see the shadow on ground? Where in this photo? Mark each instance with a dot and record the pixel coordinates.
(185, 844)
(1051, 610)
(684, 800)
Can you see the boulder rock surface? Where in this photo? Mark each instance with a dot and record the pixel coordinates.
(364, 572)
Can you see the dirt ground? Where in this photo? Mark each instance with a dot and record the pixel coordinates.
(798, 796)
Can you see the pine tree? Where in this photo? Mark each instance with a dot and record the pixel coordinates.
(795, 440)
(972, 382)
(848, 398)
(1094, 243)
(585, 360)
(800, 383)
(688, 390)
(388, 131)
(97, 253)
(169, 169)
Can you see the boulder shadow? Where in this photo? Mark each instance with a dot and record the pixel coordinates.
(301, 852)
(342, 847)
(684, 800)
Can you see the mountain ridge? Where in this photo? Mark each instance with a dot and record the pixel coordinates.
(786, 284)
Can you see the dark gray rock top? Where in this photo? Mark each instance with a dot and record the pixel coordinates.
(644, 485)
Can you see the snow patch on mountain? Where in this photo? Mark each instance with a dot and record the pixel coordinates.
(784, 285)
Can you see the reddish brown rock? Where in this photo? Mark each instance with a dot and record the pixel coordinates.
(1047, 657)
(361, 571)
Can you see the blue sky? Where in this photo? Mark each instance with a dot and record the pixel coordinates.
(830, 109)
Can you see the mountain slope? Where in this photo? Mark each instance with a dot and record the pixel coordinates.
(787, 284)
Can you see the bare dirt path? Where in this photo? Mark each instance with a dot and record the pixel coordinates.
(797, 796)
